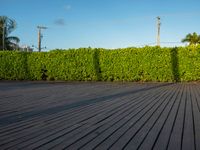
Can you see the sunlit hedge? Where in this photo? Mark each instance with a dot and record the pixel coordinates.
(87, 64)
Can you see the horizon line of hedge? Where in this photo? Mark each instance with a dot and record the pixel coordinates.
(97, 64)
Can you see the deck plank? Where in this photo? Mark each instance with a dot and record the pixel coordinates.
(196, 114)
(188, 133)
(113, 125)
(164, 136)
(153, 134)
(97, 115)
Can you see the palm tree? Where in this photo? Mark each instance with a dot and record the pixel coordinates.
(192, 39)
(7, 42)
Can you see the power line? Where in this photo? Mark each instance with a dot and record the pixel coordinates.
(155, 44)
(173, 42)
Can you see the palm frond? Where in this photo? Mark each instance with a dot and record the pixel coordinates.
(13, 39)
(8, 25)
(192, 39)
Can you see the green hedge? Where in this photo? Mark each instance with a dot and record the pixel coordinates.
(60, 65)
(87, 64)
(133, 64)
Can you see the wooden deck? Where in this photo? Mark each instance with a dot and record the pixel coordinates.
(160, 116)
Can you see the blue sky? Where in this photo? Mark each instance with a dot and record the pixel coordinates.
(102, 23)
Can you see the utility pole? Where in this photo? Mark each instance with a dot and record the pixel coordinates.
(40, 36)
(3, 37)
(158, 31)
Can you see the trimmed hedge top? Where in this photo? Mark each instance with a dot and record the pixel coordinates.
(88, 64)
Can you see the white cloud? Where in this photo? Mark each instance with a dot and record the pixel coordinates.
(67, 7)
(60, 22)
